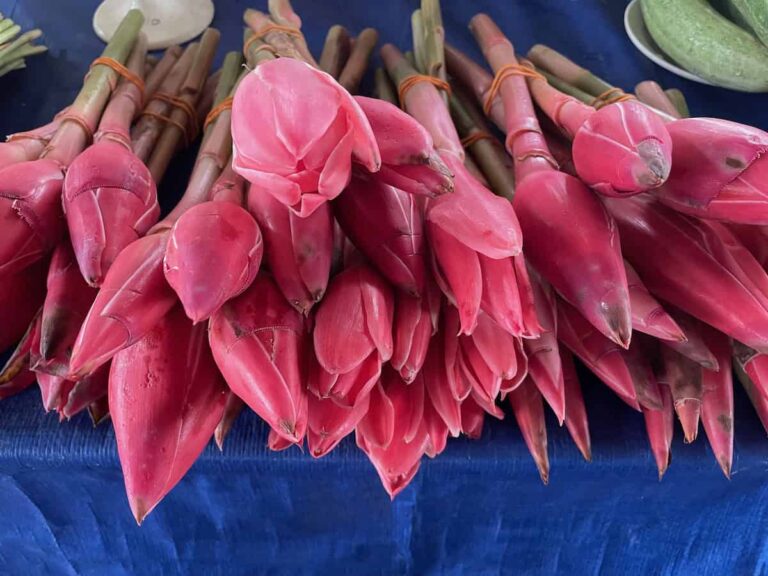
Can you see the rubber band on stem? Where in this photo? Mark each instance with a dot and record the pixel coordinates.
(414, 79)
(225, 104)
(505, 72)
(168, 120)
(126, 73)
(182, 105)
(610, 96)
(263, 48)
(475, 137)
(269, 28)
(80, 122)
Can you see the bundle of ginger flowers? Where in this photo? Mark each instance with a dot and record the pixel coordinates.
(382, 266)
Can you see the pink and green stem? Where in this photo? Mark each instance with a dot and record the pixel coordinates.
(89, 104)
(116, 121)
(525, 141)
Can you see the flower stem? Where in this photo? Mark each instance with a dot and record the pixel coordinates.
(488, 153)
(678, 99)
(280, 41)
(116, 121)
(434, 39)
(359, 57)
(335, 50)
(160, 71)
(417, 33)
(211, 159)
(650, 93)
(383, 87)
(256, 51)
(71, 138)
(525, 141)
(555, 63)
(189, 93)
(282, 13)
(149, 127)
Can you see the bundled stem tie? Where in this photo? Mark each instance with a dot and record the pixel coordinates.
(80, 121)
(262, 48)
(225, 104)
(414, 79)
(475, 137)
(122, 70)
(504, 73)
(610, 96)
(188, 129)
(269, 28)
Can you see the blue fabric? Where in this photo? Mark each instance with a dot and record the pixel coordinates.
(478, 509)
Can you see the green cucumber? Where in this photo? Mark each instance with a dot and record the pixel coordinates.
(752, 14)
(706, 43)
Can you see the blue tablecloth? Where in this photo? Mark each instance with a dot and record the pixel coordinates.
(478, 509)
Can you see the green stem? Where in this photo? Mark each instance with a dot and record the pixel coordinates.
(26, 38)
(434, 39)
(22, 52)
(566, 88)
(417, 32)
(678, 100)
(230, 70)
(383, 87)
(546, 58)
(11, 66)
(71, 139)
(6, 23)
(9, 33)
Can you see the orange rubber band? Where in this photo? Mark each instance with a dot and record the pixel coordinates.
(269, 28)
(80, 122)
(182, 105)
(225, 104)
(263, 48)
(505, 72)
(126, 73)
(411, 81)
(614, 100)
(475, 137)
(168, 120)
(610, 96)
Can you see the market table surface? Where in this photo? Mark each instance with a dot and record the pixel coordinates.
(480, 508)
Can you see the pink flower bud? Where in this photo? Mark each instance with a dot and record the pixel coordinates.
(258, 342)
(166, 398)
(110, 200)
(296, 132)
(30, 212)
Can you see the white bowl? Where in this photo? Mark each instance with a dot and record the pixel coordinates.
(166, 22)
(641, 38)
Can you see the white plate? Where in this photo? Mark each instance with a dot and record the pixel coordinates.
(166, 22)
(641, 38)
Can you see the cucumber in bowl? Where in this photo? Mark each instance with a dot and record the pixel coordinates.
(706, 43)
